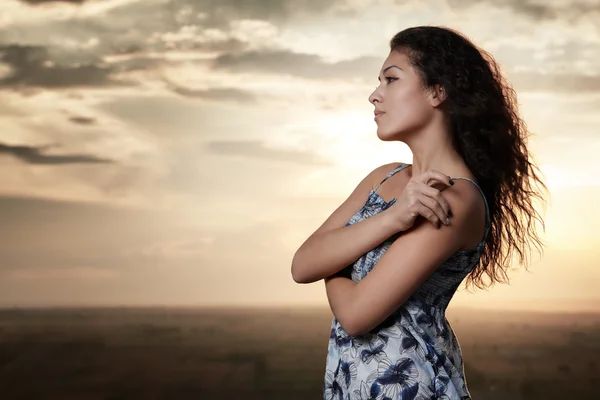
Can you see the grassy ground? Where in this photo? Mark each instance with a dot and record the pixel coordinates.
(130, 354)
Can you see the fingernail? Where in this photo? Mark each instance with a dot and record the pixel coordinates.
(451, 182)
(447, 221)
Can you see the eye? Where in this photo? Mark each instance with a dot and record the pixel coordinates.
(390, 79)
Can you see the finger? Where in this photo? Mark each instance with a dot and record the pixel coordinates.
(438, 197)
(435, 176)
(436, 208)
(428, 214)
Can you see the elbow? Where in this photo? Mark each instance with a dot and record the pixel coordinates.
(355, 332)
(352, 322)
(356, 325)
(298, 272)
(351, 330)
(352, 326)
(357, 329)
(298, 277)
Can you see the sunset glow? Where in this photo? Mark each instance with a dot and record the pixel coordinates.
(183, 156)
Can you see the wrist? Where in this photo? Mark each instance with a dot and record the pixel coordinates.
(391, 222)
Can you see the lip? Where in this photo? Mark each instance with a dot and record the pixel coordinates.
(378, 114)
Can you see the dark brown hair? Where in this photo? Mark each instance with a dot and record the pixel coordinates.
(490, 136)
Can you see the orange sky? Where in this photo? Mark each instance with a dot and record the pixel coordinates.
(181, 158)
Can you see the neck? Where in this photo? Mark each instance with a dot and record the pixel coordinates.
(432, 148)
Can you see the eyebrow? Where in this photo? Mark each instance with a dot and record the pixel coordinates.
(386, 68)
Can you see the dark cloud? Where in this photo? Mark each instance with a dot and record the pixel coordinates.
(257, 149)
(159, 30)
(536, 9)
(219, 13)
(31, 67)
(83, 120)
(34, 155)
(223, 11)
(298, 64)
(37, 67)
(164, 28)
(39, 2)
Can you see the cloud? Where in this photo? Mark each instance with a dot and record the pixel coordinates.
(177, 24)
(309, 66)
(95, 50)
(34, 155)
(557, 83)
(31, 67)
(39, 2)
(536, 9)
(257, 149)
(302, 65)
(83, 120)
(221, 12)
(217, 94)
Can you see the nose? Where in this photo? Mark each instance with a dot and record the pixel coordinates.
(375, 96)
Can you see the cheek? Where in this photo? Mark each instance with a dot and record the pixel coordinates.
(409, 109)
(406, 114)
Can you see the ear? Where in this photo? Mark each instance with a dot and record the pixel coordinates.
(438, 95)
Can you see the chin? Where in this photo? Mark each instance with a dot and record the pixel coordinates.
(388, 136)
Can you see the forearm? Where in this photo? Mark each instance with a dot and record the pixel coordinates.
(328, 252)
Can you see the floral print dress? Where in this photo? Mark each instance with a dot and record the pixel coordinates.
(414, 354)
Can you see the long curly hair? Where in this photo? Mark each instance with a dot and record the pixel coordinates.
(490, 136)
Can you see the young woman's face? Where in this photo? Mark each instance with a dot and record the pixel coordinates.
(402, 105)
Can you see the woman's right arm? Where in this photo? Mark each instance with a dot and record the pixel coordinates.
(334, 246)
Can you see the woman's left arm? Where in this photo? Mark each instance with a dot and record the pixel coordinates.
(408, 262)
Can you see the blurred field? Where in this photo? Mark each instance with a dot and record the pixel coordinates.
(155, 353)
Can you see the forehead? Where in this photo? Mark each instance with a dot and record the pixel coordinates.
(399, 59)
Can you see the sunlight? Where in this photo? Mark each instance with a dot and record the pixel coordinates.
(354, 141)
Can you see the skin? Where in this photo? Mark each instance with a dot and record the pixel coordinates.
(437, 218)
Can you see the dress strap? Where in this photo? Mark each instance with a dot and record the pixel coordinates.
(391, 173)
(488, 220)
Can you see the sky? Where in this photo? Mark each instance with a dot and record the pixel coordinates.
(179, 152)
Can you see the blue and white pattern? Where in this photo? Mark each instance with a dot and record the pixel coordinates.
(414, 354)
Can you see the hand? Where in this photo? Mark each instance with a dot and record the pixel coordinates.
(420, 198)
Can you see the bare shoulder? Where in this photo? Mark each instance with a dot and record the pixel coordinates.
(468, 209)
(357, 198)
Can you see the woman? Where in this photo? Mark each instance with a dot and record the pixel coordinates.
(393, 255)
